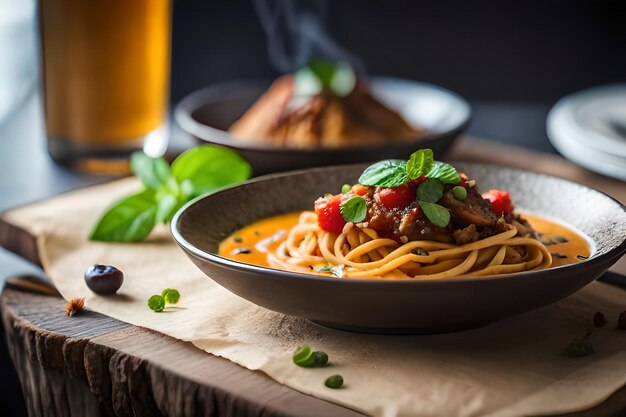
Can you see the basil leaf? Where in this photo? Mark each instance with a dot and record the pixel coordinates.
(323, 69)
(354, 209)
(209, 167)
(153, 172)
(420, 163)
(166, 204)
(389, 173)
(129, 220)
(338, 77)
(436, 214)
(430, 190)
(445, 173)
(343, 80)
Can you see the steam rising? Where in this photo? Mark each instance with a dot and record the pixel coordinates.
(296, 33)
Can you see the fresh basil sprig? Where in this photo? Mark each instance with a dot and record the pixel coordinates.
(389, 173)
(394, 173)
(338, 77)
(420, 163)
(195, 172)
(436, 214)
(428, 193)
(354, 209)
(430, 190)
(445, 173)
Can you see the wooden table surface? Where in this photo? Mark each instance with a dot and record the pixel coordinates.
(93, 365)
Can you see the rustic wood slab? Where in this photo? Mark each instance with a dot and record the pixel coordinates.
(93, 365)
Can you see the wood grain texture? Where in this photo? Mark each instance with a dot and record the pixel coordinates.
(93, 365)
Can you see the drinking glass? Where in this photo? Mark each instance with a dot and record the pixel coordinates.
(105, 67)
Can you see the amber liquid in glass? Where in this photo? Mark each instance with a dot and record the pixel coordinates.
(106, 80)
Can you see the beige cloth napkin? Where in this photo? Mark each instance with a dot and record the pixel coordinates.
(510, 368)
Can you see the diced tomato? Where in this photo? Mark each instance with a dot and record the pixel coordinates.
(397, 197)
(419, 180)
(328, 210)
(500, 201)
(416, 211)
(464, 178)
(359, 189)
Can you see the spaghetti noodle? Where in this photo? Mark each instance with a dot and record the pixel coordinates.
(365, 254)
(415, 219)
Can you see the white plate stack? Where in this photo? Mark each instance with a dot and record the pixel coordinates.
(589, 128)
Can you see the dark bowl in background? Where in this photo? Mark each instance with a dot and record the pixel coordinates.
(207, 114)
(408, 306)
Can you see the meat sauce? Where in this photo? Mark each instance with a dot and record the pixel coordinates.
(470, 220)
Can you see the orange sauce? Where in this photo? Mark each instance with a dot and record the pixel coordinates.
(265, 235)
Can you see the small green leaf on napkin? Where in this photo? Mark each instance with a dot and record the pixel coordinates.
(579, 346)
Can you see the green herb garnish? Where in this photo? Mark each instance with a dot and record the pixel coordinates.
(195, 172)
(156, 303)
(334, 381)
(389, 173)
(129, 220)
(436, 214)
(445, 173)
(430, 190)
(393, 172)
(337, 271)
(420, 252)
(346, 188)
(325, 268)
(307, 358)
(579, 346)
(320, 358)
(459, 192)
(319, 74)
(170, 295)
(428, 193)
(420, 163)
(354, 209)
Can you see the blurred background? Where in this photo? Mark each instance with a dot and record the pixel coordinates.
(511, 60)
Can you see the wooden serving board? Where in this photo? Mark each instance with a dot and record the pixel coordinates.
(93, 365)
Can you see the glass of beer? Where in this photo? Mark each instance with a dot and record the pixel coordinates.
(105, 67)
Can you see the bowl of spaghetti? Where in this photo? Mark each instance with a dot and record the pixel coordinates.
(415, 246)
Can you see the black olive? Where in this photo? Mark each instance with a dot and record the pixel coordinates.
(104, 279)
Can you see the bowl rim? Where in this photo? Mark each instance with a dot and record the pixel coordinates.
(194, 100)
(245, 267)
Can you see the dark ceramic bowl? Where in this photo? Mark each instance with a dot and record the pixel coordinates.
(399, 306)
(208, 113)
